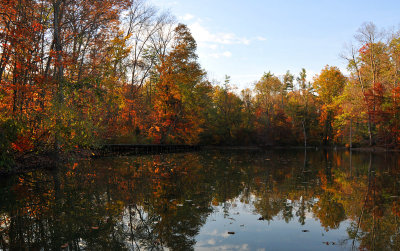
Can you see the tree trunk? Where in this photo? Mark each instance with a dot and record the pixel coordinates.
(350, 137)
(304, 133)
(58, 67)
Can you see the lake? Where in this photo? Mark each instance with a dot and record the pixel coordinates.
(207, 200)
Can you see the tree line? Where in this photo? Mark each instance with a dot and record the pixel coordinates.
(79, 73)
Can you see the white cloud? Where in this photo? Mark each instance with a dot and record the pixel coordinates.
(211, 242)
(243, 247)
(203, 35)
(216, 41)
(213, 46)
(215, 233)
(226, 54)
(165, 3)
(208, 46)
(187, 17)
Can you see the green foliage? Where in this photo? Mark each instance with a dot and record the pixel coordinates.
(288, 81)
(225, 118)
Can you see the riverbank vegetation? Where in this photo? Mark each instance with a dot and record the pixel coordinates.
(78, 74)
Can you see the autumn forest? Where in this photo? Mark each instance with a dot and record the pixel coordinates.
(80, 74)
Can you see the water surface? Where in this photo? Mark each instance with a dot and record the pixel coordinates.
(208, 200)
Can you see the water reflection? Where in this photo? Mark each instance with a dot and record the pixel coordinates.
(323, 199)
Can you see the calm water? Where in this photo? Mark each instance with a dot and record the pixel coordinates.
(211, 200)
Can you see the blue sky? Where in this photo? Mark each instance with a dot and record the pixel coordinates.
(244, 39)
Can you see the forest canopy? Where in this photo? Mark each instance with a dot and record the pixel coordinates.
(79, 74)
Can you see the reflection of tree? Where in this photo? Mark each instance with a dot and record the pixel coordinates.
(286, 190)
(368, 192)
(377, 225)
(287, 211)
(111, 204)
(329, 211)
(301, 212)
(141, 228)
(269, 206)
(156, 202)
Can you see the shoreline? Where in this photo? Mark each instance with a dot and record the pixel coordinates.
(341, 148)
(34, 161)
(46, 160)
